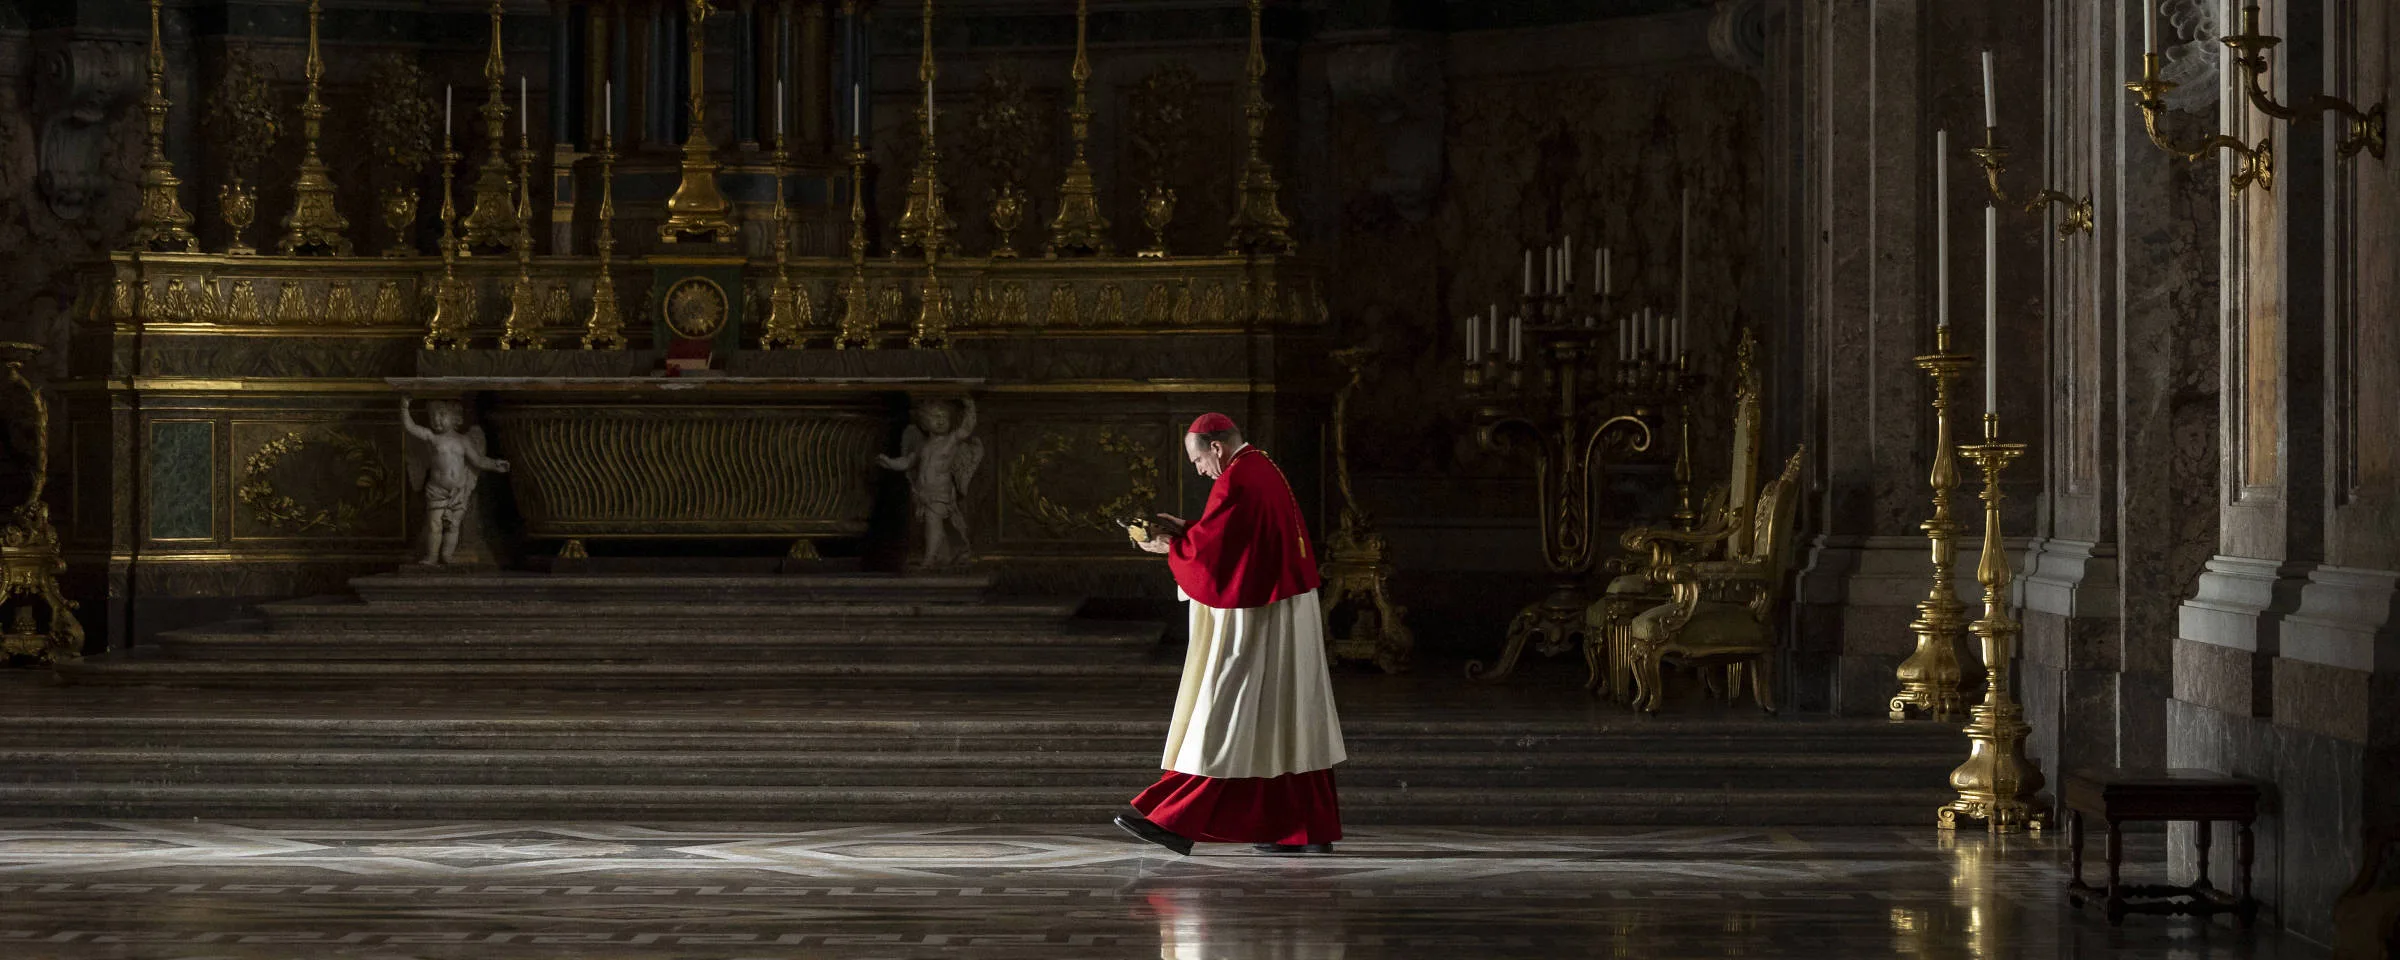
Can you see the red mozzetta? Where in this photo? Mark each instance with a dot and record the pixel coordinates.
(1249, 547)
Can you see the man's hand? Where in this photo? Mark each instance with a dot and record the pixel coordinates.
(1157, 544)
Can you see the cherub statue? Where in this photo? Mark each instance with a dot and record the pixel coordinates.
(940, 461)
(447, 468)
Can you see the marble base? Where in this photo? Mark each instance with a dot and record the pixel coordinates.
(2308, 836)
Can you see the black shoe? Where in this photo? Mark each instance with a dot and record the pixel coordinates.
(1292, 847)
(1143, 829)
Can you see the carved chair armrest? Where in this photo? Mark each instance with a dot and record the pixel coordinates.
(2379, 846)
(1748, 582)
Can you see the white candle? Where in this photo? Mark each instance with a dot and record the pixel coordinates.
(1683, 273)
(1941, 228)
(857, 108)
(447, 92)
(1601, 268)
(779, 108)
(1991, 309)
(608, 108)
(1474, 336)
(2149, 26)
(524, 107)
(1988, 120)
(1516, 339)
(1529, 272)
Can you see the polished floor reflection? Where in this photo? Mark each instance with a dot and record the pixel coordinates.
(375, 891)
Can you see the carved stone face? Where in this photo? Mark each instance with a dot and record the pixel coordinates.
(934, 418)
(444, 415)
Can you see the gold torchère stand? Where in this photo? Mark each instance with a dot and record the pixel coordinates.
(1997, 783)
(314, 226)
(1930, 677)
(30, 561)
(697, 211)
(1356, 563)
(783, 316)
(2255, 164)
(491, 222)
(522, 330)
(162, 225)
(925, 224)
(447, 328)
(2364, 127)
(604, 329)
(1994, 158)
(1259, 226)
(1079, 228)
(858, 296)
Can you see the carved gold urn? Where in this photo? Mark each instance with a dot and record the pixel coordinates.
(400, 214)
(1158, 209)
(237, 202)
(1008, 212)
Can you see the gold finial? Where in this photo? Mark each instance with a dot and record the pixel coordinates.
(163, 225)
(697, 212)
(1079, 227)
(1259, 226)
(605, 328)
(858, 307)
(925, 222)
(491, 223)
(314, 226)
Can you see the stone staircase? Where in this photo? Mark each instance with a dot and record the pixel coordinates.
(840, 698)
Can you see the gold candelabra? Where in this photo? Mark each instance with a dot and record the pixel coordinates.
(604, 329)
(522, 328)
(1079, 228)
(1930, 677)
(858, 296)
(30, 559)
(490, 223)
(697, 211)
(784, 313)
(2250, 47)
(1994, 158)
(2254, 164)
(314, 226)
(1568, 406)
(924, 222)
(162, 224)
(1996, 784)
(1357, 567)
(1259, 226)
(447, 328)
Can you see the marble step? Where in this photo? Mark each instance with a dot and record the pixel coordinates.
(320, 614)
(1361, 807)
(1372, 766)
(1074, 642)
(678, 674)
(504, 588)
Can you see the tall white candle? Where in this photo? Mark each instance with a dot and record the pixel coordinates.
(1529, 272)
(608, 108)
(1941, 228)
(1683, 274)
(524, 107)
(1516, 339)
(1474, 336)
(858, 109)
(447, 92)
(1991, 309)
(1607, 271)
(1988, 116)
(2149, 25)
(779, 108)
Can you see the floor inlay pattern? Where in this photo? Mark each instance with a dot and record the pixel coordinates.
(462, 891)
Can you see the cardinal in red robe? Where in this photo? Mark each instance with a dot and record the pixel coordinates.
(1250, 753)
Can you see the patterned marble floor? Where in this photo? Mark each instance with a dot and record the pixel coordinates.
(72, 890)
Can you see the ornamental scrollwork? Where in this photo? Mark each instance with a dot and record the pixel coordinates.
(1025, 487)
(368, 476)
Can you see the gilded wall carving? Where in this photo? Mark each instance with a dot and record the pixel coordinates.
(315, 481)
(1074, 483)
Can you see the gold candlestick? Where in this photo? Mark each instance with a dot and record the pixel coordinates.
(1079, 228)
(1930, 677)
(2364, 127)
(858, 298)
(30, 559)
(1259, 226)
(697, 211)
(491, 222)
(162, 225)
(447, 328)
(783, 318)
(924, 222)
(1994, 158)
(313, 226)
(605, 328)
(2256, 164)
(521, 330)
(1997, 783)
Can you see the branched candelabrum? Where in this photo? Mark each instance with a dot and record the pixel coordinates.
(2253, 164)
(2365, 127)
(1995, 159)
(1557, 394)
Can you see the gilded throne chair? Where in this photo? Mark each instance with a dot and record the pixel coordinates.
(1724, 530)
(1723, 612)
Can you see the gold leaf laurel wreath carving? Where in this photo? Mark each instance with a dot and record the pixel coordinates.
(1141, 475)
(280, 511)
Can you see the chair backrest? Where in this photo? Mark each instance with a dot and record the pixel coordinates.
(1742, 467)
(1777, 505)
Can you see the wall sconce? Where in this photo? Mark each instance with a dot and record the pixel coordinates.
(1995, 159)
(2250, 53)
(2257, 163)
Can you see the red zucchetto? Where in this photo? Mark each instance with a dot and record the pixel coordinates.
(1212, 423)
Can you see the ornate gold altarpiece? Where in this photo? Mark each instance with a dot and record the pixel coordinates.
(231, 426)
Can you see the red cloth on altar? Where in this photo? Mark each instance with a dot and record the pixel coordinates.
(1293, 808)
(1249, 547)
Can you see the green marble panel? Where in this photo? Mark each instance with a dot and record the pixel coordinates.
(182, 481)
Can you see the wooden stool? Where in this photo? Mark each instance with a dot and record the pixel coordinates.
(2124, 796)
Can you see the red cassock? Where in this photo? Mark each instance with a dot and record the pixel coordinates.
(1258, 668)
